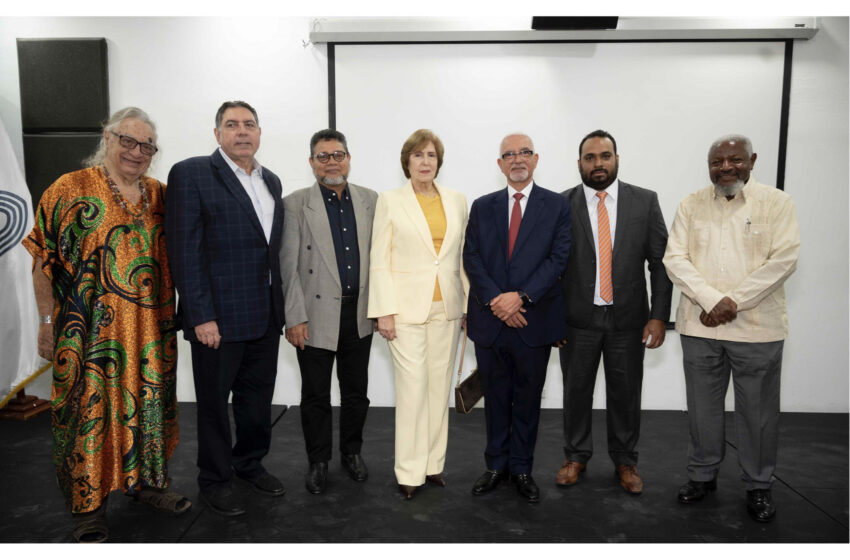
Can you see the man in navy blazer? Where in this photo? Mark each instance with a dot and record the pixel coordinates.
(517, 244)
(223, 222)
(618, 229)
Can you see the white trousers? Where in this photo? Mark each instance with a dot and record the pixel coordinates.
(423, 359)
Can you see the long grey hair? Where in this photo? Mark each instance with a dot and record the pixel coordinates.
(111, 125)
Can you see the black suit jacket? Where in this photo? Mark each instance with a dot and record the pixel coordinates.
(640, 237)
(219, 257)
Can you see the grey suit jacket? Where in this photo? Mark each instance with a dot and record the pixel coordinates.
(308, 267)
(640, 239)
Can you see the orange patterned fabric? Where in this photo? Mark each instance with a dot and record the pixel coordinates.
(115, 347)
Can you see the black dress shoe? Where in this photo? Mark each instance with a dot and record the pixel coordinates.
(317, 478)
(760, 505)
(408, 491)
(696, 490)
(488, 482)
(355, 466)
(526, 487)
(222, 502)
(265, 484)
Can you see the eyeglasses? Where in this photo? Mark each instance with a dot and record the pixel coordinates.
(325, 157)
(129, 142)
(522, 154)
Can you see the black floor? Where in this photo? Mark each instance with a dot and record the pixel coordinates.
(811, 492)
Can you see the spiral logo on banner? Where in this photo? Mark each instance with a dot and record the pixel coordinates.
(13, 220)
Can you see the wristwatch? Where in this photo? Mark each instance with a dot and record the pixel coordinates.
(524, 296)
(45, 319)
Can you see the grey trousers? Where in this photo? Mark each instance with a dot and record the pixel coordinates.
(755, 369)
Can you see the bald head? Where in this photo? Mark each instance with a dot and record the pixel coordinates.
(524, 139)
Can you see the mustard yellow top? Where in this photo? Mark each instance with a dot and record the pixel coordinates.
(435, 215)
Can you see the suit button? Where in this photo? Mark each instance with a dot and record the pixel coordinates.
(311, 271)
(318, 296)
(436, 262)
(308, 247)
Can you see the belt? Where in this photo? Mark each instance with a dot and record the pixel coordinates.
(348, 299)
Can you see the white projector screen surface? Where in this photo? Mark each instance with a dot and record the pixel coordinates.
(663, 102)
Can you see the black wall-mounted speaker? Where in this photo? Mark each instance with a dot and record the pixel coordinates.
(49, 156)
(64, 84)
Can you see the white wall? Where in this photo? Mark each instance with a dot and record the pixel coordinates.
(172, 67)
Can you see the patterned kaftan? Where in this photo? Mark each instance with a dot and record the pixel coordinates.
(115, 355)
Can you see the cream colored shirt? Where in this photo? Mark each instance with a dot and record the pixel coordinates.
(742, 248)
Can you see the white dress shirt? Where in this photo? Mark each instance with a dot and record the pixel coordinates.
(523, 202)
(257, 191)
(613, 191)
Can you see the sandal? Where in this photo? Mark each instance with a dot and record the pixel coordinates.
(91, 527)
(163, 499)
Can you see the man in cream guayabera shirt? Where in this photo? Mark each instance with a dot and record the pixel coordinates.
(730, 250)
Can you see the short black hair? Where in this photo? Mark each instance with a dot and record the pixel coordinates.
(327, 134)
(597, 134)
(229, 105)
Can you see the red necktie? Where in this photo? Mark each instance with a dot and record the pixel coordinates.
(606, 290)
(513, 228)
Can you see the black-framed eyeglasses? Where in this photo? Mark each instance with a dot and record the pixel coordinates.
(325, 157)
(522, 154)
(129, 142)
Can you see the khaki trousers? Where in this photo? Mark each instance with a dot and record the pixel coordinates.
(423, 359)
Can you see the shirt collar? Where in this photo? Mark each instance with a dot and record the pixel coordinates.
(256, 167)
(613, 191)
(328, 193)
(525, 192)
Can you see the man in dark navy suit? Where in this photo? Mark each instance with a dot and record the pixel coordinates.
(517, 244)
(224, 219)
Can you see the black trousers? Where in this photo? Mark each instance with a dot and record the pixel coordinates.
(247, 369)
(512, 377)
(622, 353)
(352, 365)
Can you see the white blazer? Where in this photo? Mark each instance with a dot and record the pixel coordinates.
(404, 266)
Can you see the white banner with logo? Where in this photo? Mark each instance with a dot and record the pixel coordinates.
(18, 312)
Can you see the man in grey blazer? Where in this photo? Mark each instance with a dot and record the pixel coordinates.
(616, 228)
(324, 261)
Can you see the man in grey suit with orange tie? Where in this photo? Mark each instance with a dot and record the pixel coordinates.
(324, 264)
(616, 228)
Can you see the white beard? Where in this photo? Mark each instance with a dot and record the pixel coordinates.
(338, 180)
(731, 190)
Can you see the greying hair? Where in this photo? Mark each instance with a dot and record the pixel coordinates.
(327, 134)
(111, 125)
(530, 141)
(230, 105)
(737, 138)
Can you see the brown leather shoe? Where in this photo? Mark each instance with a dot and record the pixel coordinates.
(437, 479)
(568, 473)
(629, 478)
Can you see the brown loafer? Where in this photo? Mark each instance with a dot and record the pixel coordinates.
(437, 479)
(629, 478)
(407, 490)
(568, 473)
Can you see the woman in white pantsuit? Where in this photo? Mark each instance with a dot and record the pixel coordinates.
(417, 291)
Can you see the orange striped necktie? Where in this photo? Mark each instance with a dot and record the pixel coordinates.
(606, 289)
